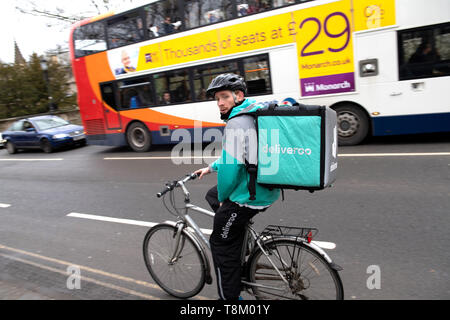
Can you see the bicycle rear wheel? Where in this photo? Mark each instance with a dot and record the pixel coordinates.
(182, 276)
(309, 275)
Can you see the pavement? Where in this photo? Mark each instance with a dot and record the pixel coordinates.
(13, 291)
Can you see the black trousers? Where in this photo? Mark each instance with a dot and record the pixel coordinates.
(227, 243)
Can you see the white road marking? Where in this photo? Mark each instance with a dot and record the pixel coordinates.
(158, 158)
(413, 154)
(4, 205)
(344, 155)
(394, 154)
(118, 220)
(31, 160)
(110, 219)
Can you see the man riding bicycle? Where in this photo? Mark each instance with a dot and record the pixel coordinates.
(231, 199)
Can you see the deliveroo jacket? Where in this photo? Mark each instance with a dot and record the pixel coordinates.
(239, 145)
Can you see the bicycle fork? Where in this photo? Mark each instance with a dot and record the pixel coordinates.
(182, 231)
(178, 245)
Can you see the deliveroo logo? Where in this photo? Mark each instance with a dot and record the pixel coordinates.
(286, 150)
(272, 151)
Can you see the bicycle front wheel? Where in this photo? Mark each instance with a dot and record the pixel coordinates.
(181, 273)
(308, 275)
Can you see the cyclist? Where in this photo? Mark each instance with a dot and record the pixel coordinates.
(230, 199)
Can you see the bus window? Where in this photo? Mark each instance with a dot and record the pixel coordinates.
(125, 29)
(245, 7)
(163, 18)
(172, 87)
(89, 39)
(203, 76)
(257, 75)
(135, 93)
(282, 3)
(200, 13)
(424, 52)
(108, 95)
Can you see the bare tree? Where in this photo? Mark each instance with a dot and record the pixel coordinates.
(62, 15)
(56, 15)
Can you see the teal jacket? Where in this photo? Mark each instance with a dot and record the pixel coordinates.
(239, 144)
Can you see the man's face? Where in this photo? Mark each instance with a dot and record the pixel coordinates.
(225, 100)
(126, 59)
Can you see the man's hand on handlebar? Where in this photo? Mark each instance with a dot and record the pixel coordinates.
(202, 172)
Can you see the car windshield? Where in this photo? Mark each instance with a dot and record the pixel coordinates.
(49, 123)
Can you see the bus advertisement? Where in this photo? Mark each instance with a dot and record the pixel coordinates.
(382, 65)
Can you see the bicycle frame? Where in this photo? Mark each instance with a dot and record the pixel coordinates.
(197, 231)
(186, 227)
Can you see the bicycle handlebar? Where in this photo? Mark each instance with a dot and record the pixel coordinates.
(172, 185)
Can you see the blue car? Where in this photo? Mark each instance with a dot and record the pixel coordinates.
(2, 142)
(45, 132)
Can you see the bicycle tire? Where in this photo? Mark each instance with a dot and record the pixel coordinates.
(306, 273)
(185, 277)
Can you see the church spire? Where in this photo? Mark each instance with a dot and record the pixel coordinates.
(18, 58)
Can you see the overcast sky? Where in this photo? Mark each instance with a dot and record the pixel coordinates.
(32, 33)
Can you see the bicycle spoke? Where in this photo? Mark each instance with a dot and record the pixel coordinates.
(182, 275)
(308, 274)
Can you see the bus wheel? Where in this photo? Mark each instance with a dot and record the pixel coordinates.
(138, 137)
(353, 124)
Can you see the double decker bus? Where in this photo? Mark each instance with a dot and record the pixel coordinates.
(383, 65)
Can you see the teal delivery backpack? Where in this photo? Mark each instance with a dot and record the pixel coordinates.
(297, 147)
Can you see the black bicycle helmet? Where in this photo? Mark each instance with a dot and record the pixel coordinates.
(227, 81)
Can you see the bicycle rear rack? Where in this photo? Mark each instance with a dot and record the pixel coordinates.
(299, 233)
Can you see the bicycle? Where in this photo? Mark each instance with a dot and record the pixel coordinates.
(278, 263)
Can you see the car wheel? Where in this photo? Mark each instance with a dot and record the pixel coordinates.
(138, 137)
(46, 146)
(11, 147)
(353, 124)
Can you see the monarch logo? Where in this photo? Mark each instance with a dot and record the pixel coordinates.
(277, 149)
(312, 87)
(309, 87)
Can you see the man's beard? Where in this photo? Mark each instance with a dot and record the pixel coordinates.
(225, 116)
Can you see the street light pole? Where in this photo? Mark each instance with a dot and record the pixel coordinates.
(44, 67)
